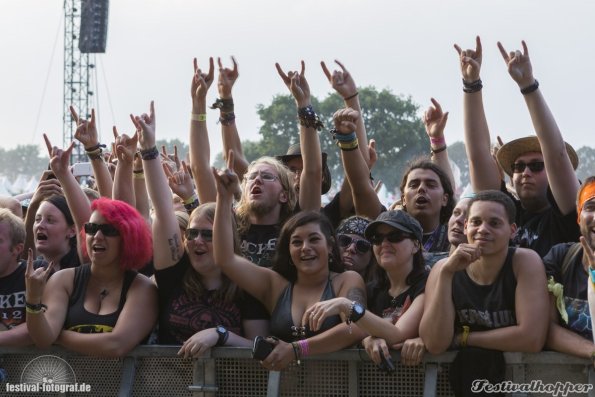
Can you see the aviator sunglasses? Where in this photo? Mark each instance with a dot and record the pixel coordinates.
(108, 230)
(394, 237)
(362, 246)
(534, 166)
(206, 234)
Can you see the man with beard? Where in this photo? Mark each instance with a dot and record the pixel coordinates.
(541, 167)
(567, 266)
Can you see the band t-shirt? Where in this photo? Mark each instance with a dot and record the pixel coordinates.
(258, 244)
(381, 303)
(12, 298)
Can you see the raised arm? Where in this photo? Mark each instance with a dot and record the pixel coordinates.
(78, 202)
(435, 121)
(200, 149)
(483, 170)
(141, 197)
(356, 170)
(227, 117)
(167, 241)
(262, 283)
(86, 134)
(125, 150)
(560, 173)
(311, 177)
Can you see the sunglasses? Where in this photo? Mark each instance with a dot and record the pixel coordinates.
(192, 234)
(361, 246)
(107, 230)
(394, 237)
(534, 166)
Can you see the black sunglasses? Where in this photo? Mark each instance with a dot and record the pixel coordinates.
(394, 237)
(206, 234)
(362, 246)
(108, 230)
(534, 166)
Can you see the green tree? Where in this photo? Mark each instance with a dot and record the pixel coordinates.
(391, 120)
(169, 146)
(22, 160)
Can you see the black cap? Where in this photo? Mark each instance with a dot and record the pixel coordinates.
(400, 220)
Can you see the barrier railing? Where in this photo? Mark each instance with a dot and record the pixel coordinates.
(157, 371)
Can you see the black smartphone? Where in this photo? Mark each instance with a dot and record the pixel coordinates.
(261, 348)
(387, 364)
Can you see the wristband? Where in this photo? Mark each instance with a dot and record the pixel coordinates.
(472, 87)
(149, 154)
(351, 96)
(465, 335)
(533, 87)
(438, 141)
(198, 117)
(440, 149)
(35, 308)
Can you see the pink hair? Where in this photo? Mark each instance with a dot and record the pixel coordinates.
(137, 243)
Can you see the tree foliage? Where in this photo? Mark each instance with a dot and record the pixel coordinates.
(23, 160)
(391, 120)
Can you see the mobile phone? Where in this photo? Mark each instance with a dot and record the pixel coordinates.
(82, 169)
(261, 348)
(387, 364)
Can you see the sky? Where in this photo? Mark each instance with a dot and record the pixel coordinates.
(404, 46)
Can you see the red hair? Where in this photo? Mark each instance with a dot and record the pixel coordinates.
(137, 243)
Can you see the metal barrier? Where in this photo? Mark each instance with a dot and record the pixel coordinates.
(157, 371)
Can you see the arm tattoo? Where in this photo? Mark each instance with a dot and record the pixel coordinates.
(174, 243)
(357, 294)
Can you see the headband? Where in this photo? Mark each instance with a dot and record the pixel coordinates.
(586, 193)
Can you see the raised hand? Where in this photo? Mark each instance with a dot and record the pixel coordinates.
(227, 181)
(86, 130)
(59, 159)
(145, 128)
(345, 120)
(125, 145)
(435, 120)
(171, 157)
(201, 82)
(297, 84)
(470, 61)
(48, 186)
(340, 80)
(35, 279)
(519, 65)
(227, 78)
(180, 181)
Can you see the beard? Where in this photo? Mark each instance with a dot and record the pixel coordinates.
(260, 208)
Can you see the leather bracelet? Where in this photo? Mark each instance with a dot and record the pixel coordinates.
(149, 154)
(533, 87)
(440, 149)
(351, 96)
(472, 87)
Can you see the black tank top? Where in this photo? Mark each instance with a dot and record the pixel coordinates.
(485, 307)
(282, 323)
(78, 318)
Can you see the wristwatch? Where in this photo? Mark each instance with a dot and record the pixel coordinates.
(356, 312)
(223, 335)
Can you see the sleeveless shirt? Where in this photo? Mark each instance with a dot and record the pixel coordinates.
(78, 318)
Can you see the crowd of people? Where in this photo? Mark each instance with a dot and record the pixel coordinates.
(178, 253)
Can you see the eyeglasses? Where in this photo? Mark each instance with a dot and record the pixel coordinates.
(107, 230)
(394, 237)
(362, 246)
(265, 176)
(206, 234)
(534, 166)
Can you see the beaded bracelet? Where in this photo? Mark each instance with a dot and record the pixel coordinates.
(343, 137)
(35, 308)
(149, 154)
(309, 119)
(94, 152)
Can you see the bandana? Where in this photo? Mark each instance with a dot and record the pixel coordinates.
(586, 193)
(353, 225)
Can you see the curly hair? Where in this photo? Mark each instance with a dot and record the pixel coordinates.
(282, 261)
(285, 177)
(137, 245)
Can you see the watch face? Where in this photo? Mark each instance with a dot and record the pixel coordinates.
(358, 308)
(221, 329)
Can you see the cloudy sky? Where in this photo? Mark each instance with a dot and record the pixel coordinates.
(405, 46)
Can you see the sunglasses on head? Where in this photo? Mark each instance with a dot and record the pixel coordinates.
(362, 246)
(107, 230)
(206, 234)
(394, 237)
(534, 166)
